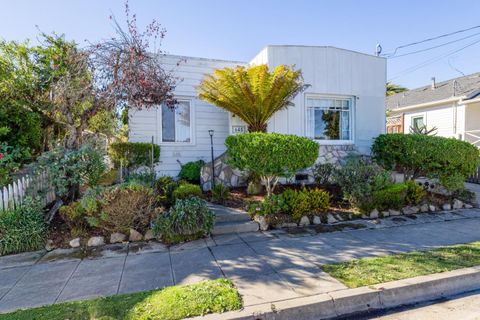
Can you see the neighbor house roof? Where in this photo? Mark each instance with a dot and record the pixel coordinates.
(467, 87)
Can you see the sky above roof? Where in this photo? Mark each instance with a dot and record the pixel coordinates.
(239, 29)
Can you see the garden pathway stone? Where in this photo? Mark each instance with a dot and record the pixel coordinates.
(265, 266)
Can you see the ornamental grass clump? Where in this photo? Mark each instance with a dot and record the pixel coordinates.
(271, 155)
(22, 229)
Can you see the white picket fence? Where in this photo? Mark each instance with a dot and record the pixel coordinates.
(12, 195)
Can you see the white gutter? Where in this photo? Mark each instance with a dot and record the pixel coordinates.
(470, 101)
(428, 104)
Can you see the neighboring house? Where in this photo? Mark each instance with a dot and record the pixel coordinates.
(452, 106)
(343, 107)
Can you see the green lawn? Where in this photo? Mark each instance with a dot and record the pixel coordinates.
(369, 271)
(175, 302)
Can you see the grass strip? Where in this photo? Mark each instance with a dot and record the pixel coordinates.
(171, 303)
(370, 271)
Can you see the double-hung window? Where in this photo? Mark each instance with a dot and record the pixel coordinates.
(329, 118)
(418, 122)
(176, 122)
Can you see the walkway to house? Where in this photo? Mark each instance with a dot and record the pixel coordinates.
(265, 267)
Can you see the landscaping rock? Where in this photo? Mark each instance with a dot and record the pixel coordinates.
(149, 235)
(424, 208)
(447, 206)
(331, 219)
(117, 237)
(49, 246)
(374, 214)
(317, 220)
(457, 204)
(410, 210)
(385, 214)
(262, 221)
(394, 212)
(74, 243)
(135, 235)
(95, 242)
(432, 208)
(304, 221)
(467, 206)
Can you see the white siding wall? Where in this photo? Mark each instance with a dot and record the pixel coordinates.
(449, 119)
(333, 71)
(329, 71)
(472, 123)
(147, 123)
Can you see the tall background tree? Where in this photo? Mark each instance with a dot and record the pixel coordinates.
(254, 94)
(393, 88)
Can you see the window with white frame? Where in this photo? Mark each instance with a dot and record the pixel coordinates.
(176, 122)
(418, 122)
(329, 118)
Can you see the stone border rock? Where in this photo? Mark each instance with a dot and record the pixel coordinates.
(362, 300)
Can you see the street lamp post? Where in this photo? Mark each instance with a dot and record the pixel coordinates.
(210, 132)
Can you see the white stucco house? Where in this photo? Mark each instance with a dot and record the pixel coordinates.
(452, 107)
(349, 84)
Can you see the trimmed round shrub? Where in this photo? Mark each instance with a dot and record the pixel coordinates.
(186, 190)
(190, 171)
(188, 219)
(22, 229)
(448, 159)
(271, 155)
(305, 202)
(133, 154)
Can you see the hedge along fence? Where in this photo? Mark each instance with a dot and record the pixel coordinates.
(133, 154)
(448, 159)
(13, 195)
(271, 155)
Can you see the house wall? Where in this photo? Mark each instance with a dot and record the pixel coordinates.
(328, 71)
(339, 72)
(147, 123)
(449, 119)
(472, 123)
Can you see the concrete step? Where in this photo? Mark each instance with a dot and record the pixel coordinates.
(234, 227)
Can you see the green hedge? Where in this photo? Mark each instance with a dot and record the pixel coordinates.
(133, 154)
(190, 171)
(271, 155)
(447, 159)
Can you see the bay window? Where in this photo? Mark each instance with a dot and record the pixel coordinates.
(329, 118)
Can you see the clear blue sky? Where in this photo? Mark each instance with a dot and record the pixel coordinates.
(238, 29)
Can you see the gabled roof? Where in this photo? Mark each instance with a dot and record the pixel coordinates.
(467, 87)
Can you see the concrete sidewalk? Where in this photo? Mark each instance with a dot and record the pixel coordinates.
(265, 267)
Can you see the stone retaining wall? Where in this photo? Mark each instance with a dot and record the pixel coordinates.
(334, 154)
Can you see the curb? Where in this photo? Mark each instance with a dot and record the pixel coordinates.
(361, 300)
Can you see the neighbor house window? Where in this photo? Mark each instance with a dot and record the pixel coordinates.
(329, 118)
(176, 122)
(417, 122)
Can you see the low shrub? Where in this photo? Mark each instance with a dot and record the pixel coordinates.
(186, 190)
(133, 154)
(22, 229)
(448, 159)
(359, 179)
(294, 203)
(271, 155)
(164, 188)
(115, 209)
(188, 219)
(190, 171)
(108, 178)
(220, 193)
(391, 197)
(415, 193)
(465, 195)
(146, 178)
(323, 172)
